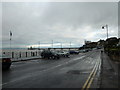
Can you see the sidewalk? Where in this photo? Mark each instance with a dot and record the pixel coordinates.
(109, 73)
(25, 59)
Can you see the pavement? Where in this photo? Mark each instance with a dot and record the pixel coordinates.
(109, 73)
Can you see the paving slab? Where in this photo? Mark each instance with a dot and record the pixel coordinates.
(109, 73)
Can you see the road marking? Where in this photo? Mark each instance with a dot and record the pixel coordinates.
(91, 76)
(88, 78)
(33, 74)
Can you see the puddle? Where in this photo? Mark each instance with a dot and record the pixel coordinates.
(78, 72)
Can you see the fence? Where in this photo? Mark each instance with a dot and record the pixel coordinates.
(22, 54)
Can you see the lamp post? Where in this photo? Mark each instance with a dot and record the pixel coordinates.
(61, 45)
(39, 45)
(70, 44)
(10, 44)
(106, 26)
(52, 43)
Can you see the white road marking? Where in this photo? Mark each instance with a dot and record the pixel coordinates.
(33, 74)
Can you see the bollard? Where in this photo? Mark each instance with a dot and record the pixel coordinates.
(12, 54)
(33, 54)
(3, 52)
(20, 54)
(26, 54)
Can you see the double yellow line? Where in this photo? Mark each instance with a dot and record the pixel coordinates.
(89, 81)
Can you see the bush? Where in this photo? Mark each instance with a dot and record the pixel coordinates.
(113, 52)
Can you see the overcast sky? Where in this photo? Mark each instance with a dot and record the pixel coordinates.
(62, 22)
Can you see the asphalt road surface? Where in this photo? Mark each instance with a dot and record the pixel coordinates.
(78, 71)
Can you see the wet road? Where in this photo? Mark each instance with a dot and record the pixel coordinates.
(70, 72)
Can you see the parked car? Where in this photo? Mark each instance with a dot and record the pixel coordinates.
(73, 52)
(5, 61)
(49, 54)
(64, 53)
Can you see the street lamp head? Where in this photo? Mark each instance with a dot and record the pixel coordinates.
(103, 27)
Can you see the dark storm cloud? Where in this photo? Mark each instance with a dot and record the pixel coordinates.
(62, 22)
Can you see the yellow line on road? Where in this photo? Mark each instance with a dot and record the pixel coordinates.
(91, 77)
(84, 86)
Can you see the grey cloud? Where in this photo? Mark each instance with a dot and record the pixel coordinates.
(64, 22)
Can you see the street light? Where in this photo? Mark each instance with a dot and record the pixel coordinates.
(39, 45)
(70, 44)
(10, 44)
(52, 43)
(61, 45)
(106, 26)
